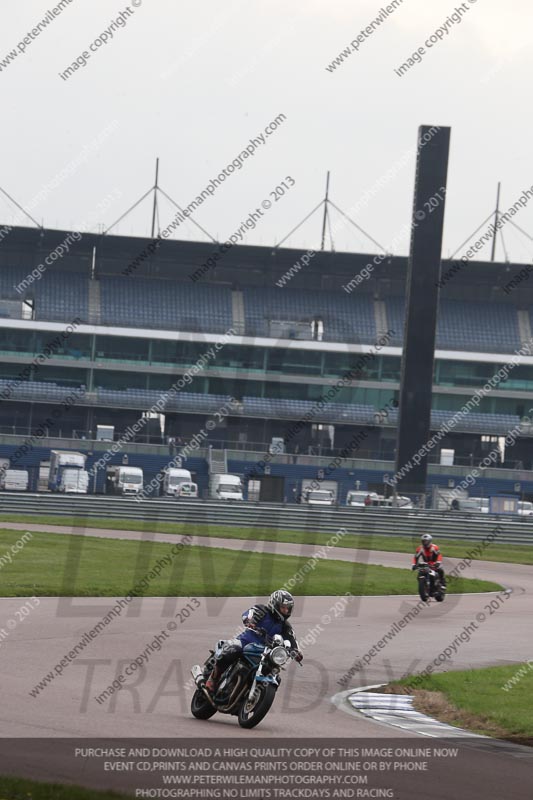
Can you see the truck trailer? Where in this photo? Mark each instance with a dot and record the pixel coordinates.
(68, 473)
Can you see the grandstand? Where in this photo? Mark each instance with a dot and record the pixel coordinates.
(140, 331)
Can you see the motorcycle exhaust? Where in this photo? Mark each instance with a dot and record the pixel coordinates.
(198, 675)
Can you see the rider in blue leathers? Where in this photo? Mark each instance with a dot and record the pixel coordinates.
(261, 623)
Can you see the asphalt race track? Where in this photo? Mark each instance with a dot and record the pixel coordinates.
(156, 704)
(155, 700)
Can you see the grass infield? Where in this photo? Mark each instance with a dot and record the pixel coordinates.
(495, 701)
(21, 789)
(87, 566)
(504, 553)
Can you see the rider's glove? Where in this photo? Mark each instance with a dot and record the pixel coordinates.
(414, 566)
(298, 656)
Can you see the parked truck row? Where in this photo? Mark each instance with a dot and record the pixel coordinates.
(67, 474)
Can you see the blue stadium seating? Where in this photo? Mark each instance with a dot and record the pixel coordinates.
(395, 307)
(146, 398)
(490, 327)
(165, 304)
(346, 318)
(141, 303)
(297, 409)
(37, 391)
(476, 422)
(482, 327)
(268, 407)
(62, 297)
(10, 278)
(58, 296)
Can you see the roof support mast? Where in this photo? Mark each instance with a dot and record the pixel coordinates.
(325, 219)
(496, 220)
(156, 187)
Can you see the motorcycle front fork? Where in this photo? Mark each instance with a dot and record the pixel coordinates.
(254, 689)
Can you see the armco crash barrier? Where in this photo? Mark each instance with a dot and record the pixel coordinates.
(392, 522)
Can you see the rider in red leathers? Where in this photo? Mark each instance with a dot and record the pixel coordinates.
(431, 554)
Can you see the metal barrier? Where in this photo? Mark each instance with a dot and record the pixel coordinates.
(364, 521)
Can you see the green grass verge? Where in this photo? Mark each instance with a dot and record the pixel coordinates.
(510, 554)
(77, 566)
(21, 789)
(480, 702)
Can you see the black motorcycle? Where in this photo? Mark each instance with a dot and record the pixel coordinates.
(429, 584)
(247, 688)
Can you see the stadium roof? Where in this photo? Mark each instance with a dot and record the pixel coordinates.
(246, 265)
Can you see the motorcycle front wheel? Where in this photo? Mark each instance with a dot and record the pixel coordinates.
(423, 589)
(251, 715)
(201, 708)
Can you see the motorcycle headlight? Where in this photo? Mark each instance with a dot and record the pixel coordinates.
(279, 656)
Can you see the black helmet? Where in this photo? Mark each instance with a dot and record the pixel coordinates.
(278, 600)
(426, 539)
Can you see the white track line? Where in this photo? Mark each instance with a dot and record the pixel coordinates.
(397, 711)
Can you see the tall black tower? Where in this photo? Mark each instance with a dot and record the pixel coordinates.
(422, 294)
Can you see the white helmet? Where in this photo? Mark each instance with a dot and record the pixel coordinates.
(426, 539)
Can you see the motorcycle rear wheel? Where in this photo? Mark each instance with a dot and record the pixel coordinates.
(250, 717)
(439, 594)
(201, 708)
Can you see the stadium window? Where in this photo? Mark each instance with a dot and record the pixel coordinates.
(238, 357)
(164, 352)
(13, 341)
(224, 386)
(28, 309)
(317, 327)
(298, 362)
(388, 368)
(120, 381)
(122, 348)
(63, 376)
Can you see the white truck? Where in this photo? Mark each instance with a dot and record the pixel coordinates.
(225, 487)
(470, 505)
(357, 498)
(179, 483)
(68, 473)
(319, 485)
(525, 508)
(318, 497)
(128, 480)
(14, 480)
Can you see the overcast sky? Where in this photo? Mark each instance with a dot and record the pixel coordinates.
(193, 82)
